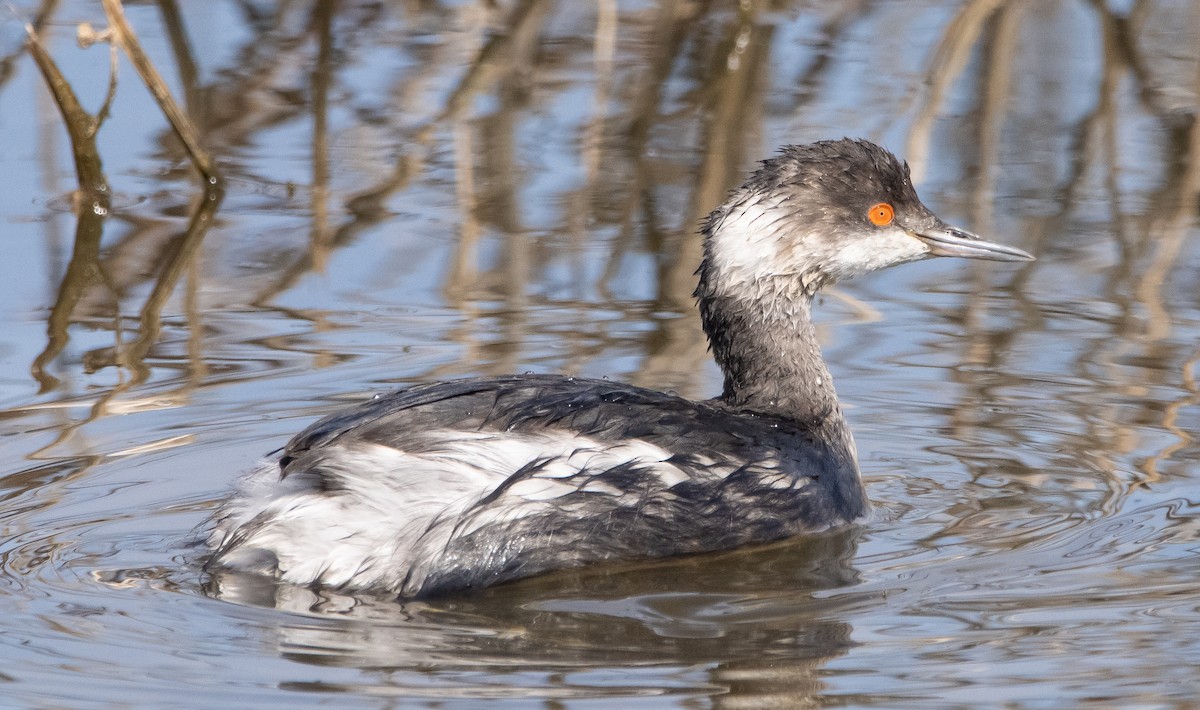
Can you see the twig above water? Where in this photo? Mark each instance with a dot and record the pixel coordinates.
(81, 125)
(124, 37)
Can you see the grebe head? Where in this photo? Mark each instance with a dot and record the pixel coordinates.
(821, 212)
(810, 216)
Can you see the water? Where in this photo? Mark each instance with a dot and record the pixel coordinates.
(434, 190)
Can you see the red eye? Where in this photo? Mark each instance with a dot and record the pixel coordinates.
(881, 215)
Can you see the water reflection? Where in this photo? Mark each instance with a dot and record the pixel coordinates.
(753, 618)
(433, 189)
(679, 99)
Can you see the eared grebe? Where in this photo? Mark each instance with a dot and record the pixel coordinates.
(459, 485)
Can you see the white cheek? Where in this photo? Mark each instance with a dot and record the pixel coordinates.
(886, 248)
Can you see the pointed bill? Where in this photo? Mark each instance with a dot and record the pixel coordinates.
(945, 240)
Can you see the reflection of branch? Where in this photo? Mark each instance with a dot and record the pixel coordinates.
(732, 101)
(663, 43)
(1150, 90)
(321, 78)
(150, 319)
(824, 52)
(1168, 218)
(463, 273)
(999, 56)
(366, 205)
(124, 36)
(1096, 135)
(579, 202)
(493, 58)
(178, 260)
(82, 271)
(1170, 419)
(1167, 228)
(948, 61)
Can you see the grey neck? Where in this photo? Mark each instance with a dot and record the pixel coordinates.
(771, 359)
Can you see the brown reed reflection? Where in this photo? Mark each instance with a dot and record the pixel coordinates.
(556, 158)
(713, 64)
(1150, 242)
(680, 98)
